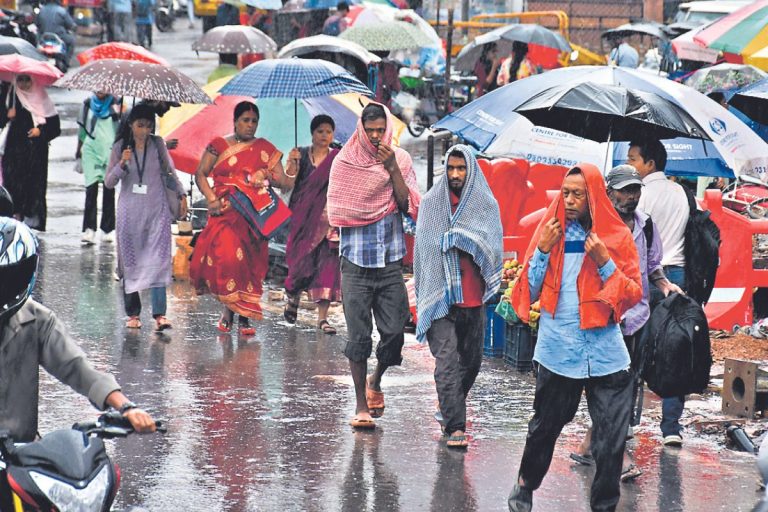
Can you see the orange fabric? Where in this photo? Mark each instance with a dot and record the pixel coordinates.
(599, 303)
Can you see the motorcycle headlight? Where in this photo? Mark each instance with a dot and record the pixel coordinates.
(70, 499)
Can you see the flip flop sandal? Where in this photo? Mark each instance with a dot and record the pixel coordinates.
(290, 312)
(584, 460)
(133, 323)
(375, 400)
(631, 473)
(362, 423)
(326, 328)
(245, 329)
(162, 323)
(224, 325)
(457, 441)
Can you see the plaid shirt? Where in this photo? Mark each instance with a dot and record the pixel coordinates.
(374, 245)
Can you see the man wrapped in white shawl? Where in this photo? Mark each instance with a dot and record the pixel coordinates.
(457, 269)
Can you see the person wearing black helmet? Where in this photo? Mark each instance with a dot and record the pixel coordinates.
(32, 336)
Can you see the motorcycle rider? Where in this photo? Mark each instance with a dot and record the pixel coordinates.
(55, 19)
(31, 336)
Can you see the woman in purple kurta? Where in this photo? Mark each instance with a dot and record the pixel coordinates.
(312, 252)
(143, 215)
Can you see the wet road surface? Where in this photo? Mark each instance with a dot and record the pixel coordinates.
(261, 424)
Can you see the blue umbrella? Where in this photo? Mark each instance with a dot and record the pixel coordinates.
(293, 78)
(490, 124)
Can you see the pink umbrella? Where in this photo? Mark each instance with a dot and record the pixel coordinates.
(43, 72)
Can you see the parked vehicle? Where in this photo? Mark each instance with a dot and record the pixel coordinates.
(54, 49)
(704, 11)
(65, 470)
(18, 24)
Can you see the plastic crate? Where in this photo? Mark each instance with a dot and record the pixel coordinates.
(518, 347)
(493, 346)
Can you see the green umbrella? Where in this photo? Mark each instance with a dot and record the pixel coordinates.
(394, 35)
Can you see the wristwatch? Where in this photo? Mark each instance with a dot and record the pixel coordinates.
(127, 406)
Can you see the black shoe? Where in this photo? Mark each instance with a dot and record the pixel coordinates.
(520, 499)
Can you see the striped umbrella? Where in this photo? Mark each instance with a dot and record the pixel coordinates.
(740, 34)
(294, 78)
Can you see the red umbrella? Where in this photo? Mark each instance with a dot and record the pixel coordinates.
(43, 72)
(123, 51)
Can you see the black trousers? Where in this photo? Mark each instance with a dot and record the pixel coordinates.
(107, 208)
(557, 398)
(456, 341)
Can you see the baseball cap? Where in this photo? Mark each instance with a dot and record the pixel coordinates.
(622, 176)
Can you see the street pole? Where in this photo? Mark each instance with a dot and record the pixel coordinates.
(448, 52)
(465, 16)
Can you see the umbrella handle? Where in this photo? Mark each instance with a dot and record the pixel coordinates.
(295, 122)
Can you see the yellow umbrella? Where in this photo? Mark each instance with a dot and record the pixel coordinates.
(759, 59)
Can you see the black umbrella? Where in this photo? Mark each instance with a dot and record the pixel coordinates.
(603, 112)
(11, 45)
(752, 100)
(646, 28)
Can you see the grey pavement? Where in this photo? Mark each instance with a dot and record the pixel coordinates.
(261, 424)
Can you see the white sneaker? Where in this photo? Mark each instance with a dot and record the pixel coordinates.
(108, 237)
(673, 440)
(88, 236)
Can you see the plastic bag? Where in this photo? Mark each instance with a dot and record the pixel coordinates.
(505, 310)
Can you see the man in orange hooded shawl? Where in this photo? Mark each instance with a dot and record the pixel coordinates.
(583, 267)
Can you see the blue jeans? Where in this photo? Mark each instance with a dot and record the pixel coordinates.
(671, 408)
(133, 302)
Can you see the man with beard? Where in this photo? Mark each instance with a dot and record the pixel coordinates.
(624, 186)
(457, 267)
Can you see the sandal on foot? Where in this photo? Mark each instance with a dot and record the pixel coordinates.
(326, 327)
(244, 328)
(290, 311)
(133, 323)
(362, 422)
(584, 460)
(162, 323)
(224, 325)
(631, 473)
(457, 441)
(375, 400)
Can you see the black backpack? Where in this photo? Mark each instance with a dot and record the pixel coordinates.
(676, 357)
(702, 252)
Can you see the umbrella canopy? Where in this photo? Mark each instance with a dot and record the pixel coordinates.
(503, 37)
(195, 125)
(759, 59)
(679, 28)
(605, 112)
(293, 78)
(137, 79)
(394, 35)
(741, 33)
(43, 72)
(490, 124)
(724, 76)
(686, 48)
(646, 28)
(325, 4)
(753, 101)
(329, 44)
(17, 45)
(235, 39)
(119, 50)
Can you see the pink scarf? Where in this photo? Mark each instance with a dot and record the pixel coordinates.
(359, 187)
(37, 102)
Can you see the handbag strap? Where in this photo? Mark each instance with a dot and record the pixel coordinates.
(165, 165)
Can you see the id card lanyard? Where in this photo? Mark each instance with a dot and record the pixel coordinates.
(140, 168)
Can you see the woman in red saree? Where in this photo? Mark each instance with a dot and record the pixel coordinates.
(228, 260)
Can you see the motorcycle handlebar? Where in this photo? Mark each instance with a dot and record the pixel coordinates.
(110, 425)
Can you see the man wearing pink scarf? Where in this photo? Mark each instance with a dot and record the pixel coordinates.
(371, 186)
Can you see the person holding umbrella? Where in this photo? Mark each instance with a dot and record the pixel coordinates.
(312, 251)
(140, 163)
(32, 122)
(229, 261)
(487, 70)
(516, 66)
(622, 54)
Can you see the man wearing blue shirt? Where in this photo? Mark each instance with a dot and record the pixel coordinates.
(586, 276)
